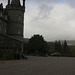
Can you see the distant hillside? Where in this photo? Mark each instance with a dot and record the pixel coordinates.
(71, 42)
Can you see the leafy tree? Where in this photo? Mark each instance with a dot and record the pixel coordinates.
(37, 44)
(73, 51)
(51, 50)
(59, 46)
(65, 47)
(56, 45)
(66, 50)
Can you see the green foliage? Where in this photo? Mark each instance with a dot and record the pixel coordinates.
(57, 46)
(66, 49)
(73, 51)
(51, 50)
(38, 46)
(62, 48)
(37, 43)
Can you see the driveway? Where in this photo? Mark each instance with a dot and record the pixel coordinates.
(39, 66)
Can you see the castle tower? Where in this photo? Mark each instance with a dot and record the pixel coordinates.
(15, 18)
(15, 2)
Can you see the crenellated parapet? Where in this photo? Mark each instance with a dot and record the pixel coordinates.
(16, 5)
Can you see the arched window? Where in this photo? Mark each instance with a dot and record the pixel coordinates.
(19, 18)
(19, 30)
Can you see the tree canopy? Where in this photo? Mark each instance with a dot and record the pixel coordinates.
(37, 44)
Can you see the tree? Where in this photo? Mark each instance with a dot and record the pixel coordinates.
(65, 48)
(56, 46)
(73, 51)
(59, 46)
(37, 44)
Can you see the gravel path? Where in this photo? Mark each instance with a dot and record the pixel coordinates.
(39, 66)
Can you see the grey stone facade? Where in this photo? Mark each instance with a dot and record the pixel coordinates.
(11, 27)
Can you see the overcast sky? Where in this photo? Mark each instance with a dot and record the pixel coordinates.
(54, 19)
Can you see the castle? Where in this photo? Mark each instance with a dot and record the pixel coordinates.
(11, 27)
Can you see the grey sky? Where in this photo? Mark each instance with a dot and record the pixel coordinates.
(54, 19)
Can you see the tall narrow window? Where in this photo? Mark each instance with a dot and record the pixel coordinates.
(5, 17)
(0, 14)
(0, 27)
(5, 30)
(19, 30)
